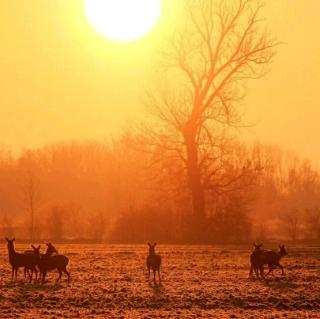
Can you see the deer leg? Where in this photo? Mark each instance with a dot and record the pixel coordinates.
(282, 269)
(12, 273)
(16, 273)
(251, 271)
(261, 268)
(159, 275)
(36, 272)
(148, 272)
(43, 276)
(256, 271)
(67, 273)
(154, 274)
(60, 274)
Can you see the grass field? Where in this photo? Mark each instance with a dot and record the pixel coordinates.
(110, 281)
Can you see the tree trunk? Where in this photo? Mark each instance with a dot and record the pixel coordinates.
(195, 184)
(32, 225)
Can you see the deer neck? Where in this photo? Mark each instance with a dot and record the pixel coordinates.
(11, 252)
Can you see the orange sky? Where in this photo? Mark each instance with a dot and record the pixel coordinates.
(60, 80)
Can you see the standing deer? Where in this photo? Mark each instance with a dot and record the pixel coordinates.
(272, 259)
(18, 260)
(153, 262)
(260, 257)
(46, 262)
(50, 251)
(255, 260)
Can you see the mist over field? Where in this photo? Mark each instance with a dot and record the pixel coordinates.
(98, 192)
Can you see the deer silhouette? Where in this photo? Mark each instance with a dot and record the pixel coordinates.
(255, 261)
(261, 257)
(47, 262)
(153, 262)
(18, 260)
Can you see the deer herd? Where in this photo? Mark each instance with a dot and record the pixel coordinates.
(35, 262)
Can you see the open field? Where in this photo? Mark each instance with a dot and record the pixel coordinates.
(109, 281)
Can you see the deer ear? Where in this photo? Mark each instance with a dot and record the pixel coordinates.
(33, 247)
(155, 244)
(149, 245)
(39, 247)
(7, 239)
(13, 239)
(260, 245)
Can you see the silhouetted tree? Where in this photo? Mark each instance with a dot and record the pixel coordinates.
(30, 189)
(7, 226)
(213, 53)
(312, 219)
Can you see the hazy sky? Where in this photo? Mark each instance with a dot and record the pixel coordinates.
(60, 80)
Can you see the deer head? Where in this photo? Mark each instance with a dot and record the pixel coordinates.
(152, 248)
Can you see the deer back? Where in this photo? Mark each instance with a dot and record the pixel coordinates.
(53, 262)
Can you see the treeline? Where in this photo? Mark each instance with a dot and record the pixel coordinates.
(123, 191)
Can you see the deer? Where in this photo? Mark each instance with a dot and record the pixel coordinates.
(153, 262)
(255, 260)
(50, 250)
(18, 260)
(260, 257)
(272, 259)
(47, 262)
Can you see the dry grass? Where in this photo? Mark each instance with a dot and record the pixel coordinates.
(198, 282)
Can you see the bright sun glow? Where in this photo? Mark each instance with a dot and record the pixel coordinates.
(123, 20)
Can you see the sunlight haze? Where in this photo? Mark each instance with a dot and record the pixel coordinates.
(62, 81)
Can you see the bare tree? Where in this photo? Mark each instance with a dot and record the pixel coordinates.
(211, 56)
(7, 226)
(31, 196)
(312, 220)
(292, 222)
(30, 189)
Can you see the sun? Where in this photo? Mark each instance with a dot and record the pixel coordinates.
(123, 20)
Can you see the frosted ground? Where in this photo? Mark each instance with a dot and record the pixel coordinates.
(109, 281)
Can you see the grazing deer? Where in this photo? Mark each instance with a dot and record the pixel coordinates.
(18, 260)
(153, 262)
(47, 262)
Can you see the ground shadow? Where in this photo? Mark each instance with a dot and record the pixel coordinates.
(280, 283)
(157, 288)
